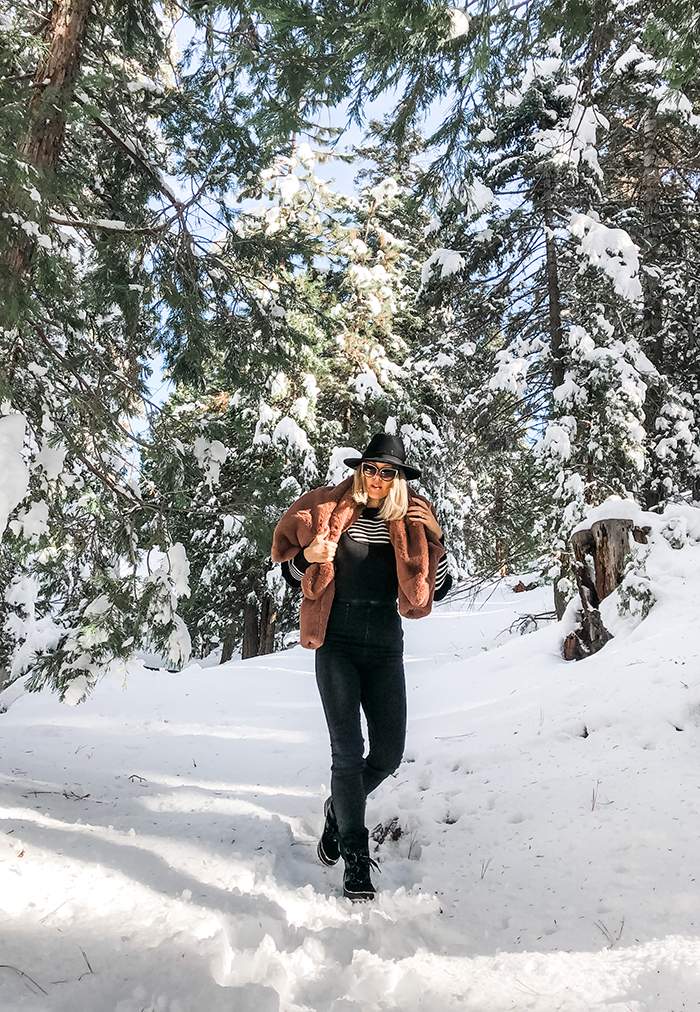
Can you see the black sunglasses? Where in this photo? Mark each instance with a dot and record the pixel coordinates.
(385, 473)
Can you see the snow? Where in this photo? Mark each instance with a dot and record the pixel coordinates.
(365, 385)
(337, 470)
(51, 458)
(449, 261)
(164, 831)
(287, 432)
(612, 250)
(434, 225)
(479, 196)
(459, 22)
(384, 191)
(210, 454)
(674, 102)
(35, 521)
(511, 374)
(632, 55)
(288, 186)
(15, 476)
(557, 438)
(615, 508)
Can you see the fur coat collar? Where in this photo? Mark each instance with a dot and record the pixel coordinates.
(328, 512)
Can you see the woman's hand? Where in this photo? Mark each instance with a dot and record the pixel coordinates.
(320, 550)
(421, 513)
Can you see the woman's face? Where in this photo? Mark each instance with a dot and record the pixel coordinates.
(377, 487)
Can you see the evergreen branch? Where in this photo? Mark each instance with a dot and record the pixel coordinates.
(90, 390)
(103, 227)
(137, 158)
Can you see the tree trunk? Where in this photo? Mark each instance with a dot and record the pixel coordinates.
(228, 645)
(599, 555)
(606, 544)
(268, 619)
(251, 641)
(560, 599)
(258, 631)
(54, 81)
(652, 329)
(553, 294)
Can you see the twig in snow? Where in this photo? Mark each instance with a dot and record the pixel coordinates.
(454, 737)
(135, 776)
(611, 939)
(595, 795)
(540, 994)
(90, 969)
(23, 975)
(485, 866)
(525, 624)
(46, 917)
(412, 841)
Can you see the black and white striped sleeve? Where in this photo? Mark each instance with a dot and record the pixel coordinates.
(293, 571)
(443, 580)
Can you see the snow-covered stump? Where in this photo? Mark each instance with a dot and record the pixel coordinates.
(600, 553)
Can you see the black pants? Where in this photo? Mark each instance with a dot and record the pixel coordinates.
(361, 665)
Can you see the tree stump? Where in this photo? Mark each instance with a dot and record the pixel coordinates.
(599, 561)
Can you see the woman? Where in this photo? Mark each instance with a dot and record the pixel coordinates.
(354, 549)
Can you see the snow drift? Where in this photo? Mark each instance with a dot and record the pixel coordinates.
(538, 845)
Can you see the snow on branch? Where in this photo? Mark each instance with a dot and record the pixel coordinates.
(449, 261)
(15, 476)
(610, 249)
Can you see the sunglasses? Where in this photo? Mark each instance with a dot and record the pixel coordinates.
(385, 473)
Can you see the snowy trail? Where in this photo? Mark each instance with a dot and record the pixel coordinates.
(548, 859)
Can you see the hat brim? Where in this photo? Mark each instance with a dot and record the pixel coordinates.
(408, 472)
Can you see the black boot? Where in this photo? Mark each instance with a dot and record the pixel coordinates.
(357, 885)
(328, 849)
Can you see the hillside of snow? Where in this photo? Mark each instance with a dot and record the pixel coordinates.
(540, 840)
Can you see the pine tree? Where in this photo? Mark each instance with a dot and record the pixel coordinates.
(357, 365)
(119, 159)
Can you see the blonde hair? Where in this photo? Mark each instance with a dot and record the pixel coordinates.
(394, 506)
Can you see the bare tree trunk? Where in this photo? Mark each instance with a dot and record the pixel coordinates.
(228, 644)
(251, 641)
(54, 81)
(556, 337)
(268, 619)
(652, 319)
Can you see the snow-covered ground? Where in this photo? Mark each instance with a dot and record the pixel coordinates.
(157, 843)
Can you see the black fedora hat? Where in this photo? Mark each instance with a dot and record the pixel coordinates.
(386, 449)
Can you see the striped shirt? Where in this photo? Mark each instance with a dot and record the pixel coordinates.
(369, 529)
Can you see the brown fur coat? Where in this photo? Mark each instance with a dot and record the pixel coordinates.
(329, 512)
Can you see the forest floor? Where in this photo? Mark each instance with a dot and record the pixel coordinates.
(158, 842)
